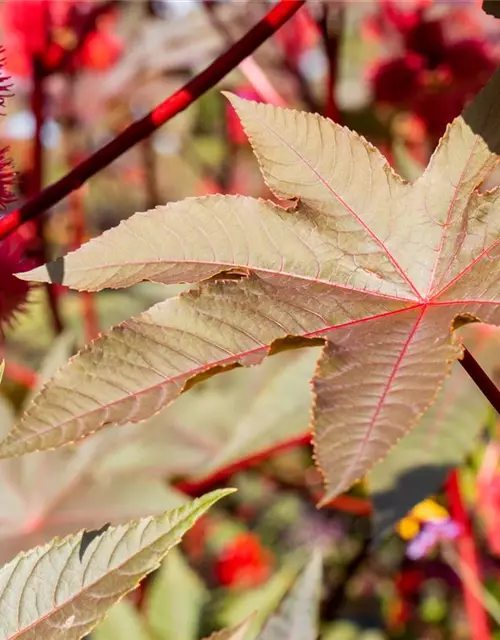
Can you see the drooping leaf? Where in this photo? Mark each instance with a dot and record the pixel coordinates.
(417, 467)
(238, 632)
(49, 592)
(122, 621)
(174, 600)
(376, 268)
(298, 615)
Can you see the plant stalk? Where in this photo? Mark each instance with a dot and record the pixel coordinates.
(36, 177)
(481, 379)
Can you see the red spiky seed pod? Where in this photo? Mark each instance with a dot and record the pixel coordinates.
(13, 292)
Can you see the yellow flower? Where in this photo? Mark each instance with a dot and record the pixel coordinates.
(427, 511)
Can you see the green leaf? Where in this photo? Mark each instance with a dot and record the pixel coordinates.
(175, 600)
(238, 632)
(73, 595)
(298, 615)
(417, 467)
(259, 602)
(376, 269)
(122, 621)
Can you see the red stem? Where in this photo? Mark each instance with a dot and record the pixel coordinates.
(36, 176)
(144, 127)
(482, 380)
(198, 487)
(478, 619)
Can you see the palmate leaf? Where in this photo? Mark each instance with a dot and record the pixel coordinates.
(56, 591)
(419, 464)
(379, 270)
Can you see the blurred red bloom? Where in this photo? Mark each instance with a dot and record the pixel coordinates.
(426, 38)
(435, 74)
(243, 562)
(49, 28)
(469, 61)
(297, 36)
(195, 539)
(397, 81)
(409, 581)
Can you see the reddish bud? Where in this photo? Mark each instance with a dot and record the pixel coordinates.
(244, 562)
(426, 39)
(469, 61)
(397, 81)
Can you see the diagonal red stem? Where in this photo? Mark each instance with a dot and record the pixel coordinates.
(144, 127)
(481, 379)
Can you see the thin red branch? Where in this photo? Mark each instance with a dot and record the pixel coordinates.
(198, 487)
(36, 178)
(144, 127)
(195, 488)
(478, 619)
(482, 380)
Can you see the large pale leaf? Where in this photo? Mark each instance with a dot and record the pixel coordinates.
(376, 268)
(175, 600)
(298, 615)
(417, 467)
(59, 492)
(62, 589)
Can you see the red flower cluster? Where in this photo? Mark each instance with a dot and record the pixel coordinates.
(243, 562)
(434, 75)
(50, 27)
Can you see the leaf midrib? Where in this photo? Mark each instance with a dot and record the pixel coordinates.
(250, 268)
(66, 603)
(193, 372)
